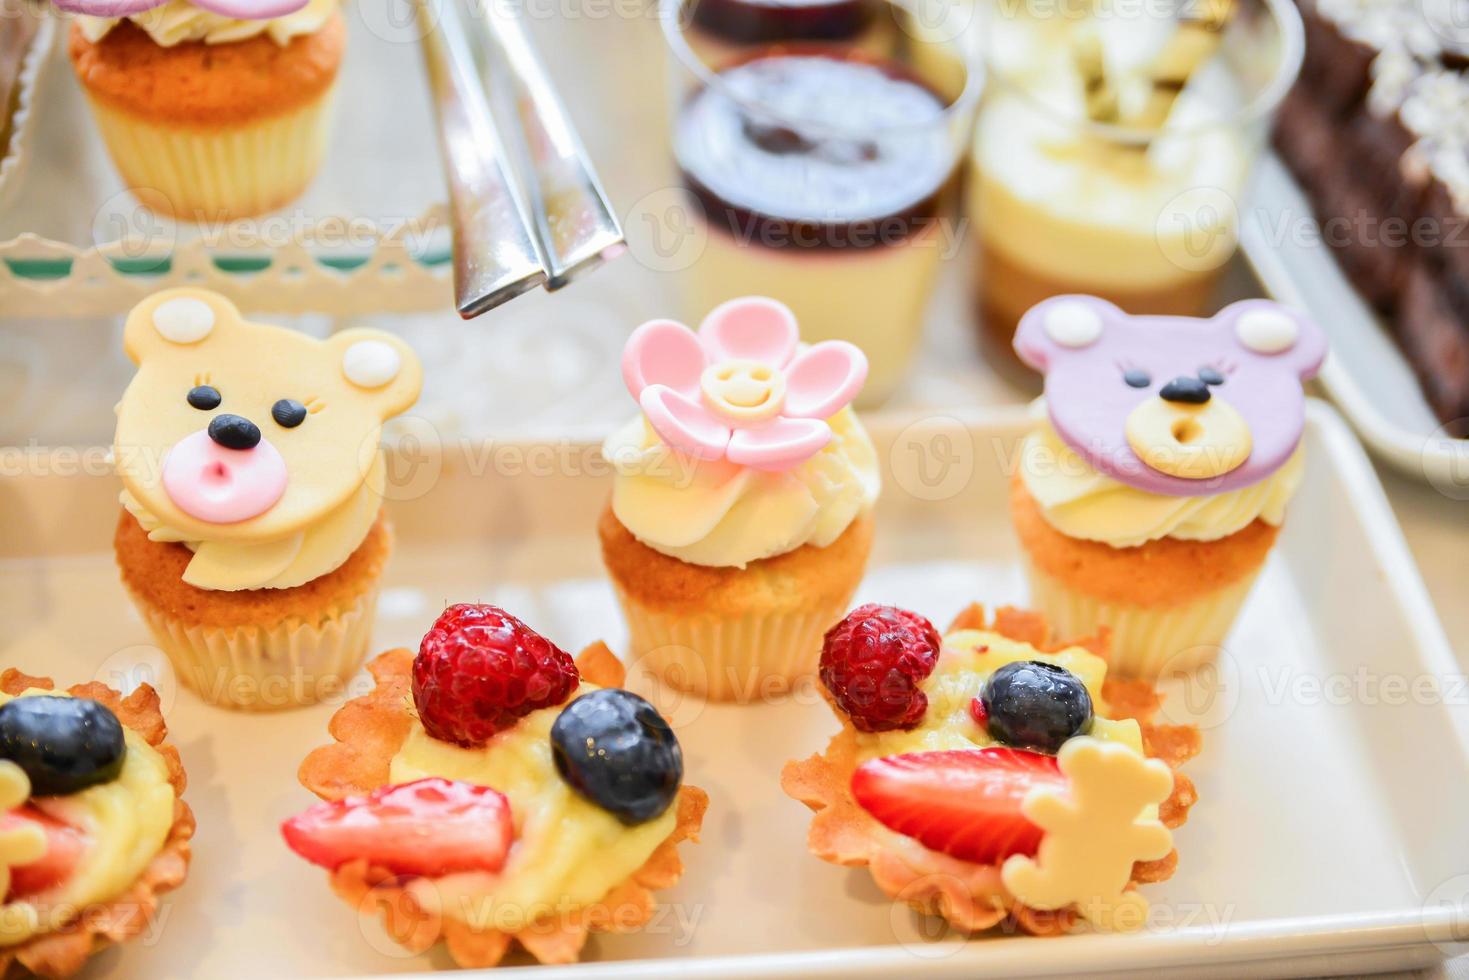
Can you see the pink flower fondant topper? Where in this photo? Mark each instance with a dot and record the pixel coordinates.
(235, 9)
(739, 389)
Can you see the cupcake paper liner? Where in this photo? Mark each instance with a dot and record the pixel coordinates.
(1146, 640)
(212, 174)
(729, 658)
(257, 668)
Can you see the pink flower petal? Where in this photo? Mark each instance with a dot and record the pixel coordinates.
(753, 328)
(684, 423)
(823, 379)
(780, 444)
(663, 352)
(251, 9)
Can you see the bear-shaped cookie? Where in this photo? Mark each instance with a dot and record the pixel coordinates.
(247, 441)
(1174, 405)
(1096, 828)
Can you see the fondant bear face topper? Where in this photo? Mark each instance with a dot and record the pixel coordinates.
(233, 9)
(1174, 405)
(239, 431)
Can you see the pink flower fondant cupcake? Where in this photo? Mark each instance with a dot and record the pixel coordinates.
(741, 512)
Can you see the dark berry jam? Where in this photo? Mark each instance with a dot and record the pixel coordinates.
(814, 150)
(768, 21)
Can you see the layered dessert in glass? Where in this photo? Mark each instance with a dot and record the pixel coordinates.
(822, 173)
(1137, 205)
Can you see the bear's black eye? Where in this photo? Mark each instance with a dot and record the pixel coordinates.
(204, 397)
(288, 413)
(1210, 376)
(1136, 378)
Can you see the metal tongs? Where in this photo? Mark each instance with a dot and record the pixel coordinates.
(527, 209)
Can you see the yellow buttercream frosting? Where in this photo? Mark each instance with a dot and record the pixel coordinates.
(966, 662)
(179, 21)
(126, 822)
(282, 563)
(723, 515)
(1080, 502)
(568, 852)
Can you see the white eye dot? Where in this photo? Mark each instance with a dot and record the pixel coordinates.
(1266, 331)
(183, 320)
(371, 363)
(1073, 324)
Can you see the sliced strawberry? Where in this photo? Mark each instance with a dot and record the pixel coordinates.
(65, 846)
(430, 827)
(964, 802)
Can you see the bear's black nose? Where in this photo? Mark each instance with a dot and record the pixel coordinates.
(1185, 389)
(234, 432)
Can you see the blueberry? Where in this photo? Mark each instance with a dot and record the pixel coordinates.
(1035, 705)
(63, 744)
(1210, 376)
(1136, 378)
(614, 748)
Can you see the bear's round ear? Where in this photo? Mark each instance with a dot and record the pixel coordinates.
(1060, 324)
(380, 364)
(176, 318)
(1270, 330)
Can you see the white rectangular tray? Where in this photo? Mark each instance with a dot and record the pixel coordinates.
(1366, 374)
(1328, 836)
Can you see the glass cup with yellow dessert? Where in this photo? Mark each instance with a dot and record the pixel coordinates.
(1113, 150)
(820, 156)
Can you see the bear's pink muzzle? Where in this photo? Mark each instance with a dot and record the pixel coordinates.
(223, 486)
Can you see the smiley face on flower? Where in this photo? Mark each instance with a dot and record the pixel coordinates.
(739, 388)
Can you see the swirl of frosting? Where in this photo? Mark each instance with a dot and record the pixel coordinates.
(721, 514)
(317, 549)
(1081, 503)
(178, 21)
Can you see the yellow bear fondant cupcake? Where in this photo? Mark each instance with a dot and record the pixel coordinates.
(252, 536)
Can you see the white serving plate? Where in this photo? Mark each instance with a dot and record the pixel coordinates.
(1366, 374)
(1328, 837)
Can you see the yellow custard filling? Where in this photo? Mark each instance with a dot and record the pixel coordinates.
(127, 822)
(568, 852)
(965, 663)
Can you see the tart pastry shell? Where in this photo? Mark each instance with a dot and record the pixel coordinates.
(971, 896)
(370, 730)
(62, 952)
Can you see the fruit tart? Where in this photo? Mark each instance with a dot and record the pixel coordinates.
(92, 827)
(492, 791)
(993, 776)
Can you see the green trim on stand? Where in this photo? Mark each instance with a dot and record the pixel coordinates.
(46, 269)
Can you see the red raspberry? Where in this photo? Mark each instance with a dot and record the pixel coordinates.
(479, 670)
(872, 663)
